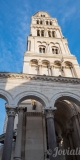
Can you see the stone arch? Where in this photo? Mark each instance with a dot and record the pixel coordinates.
(32, 95)
(6, 96)
(69, 68)
(34, 61)
(46, 61)
(57, 68)
(65, 96)
(68, 63)
(57, 62)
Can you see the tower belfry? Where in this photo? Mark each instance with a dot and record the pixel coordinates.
(47, 49)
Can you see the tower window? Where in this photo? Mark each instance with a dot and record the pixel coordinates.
(50, 23)
(53, 33)
(37, 21)
(40, 22)
(42, 49)
(55, 50)
(47, 22)
(42, 33)
(38, 32)
(49, 33)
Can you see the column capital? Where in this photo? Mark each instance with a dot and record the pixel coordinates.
(49, 112)
(11, 111)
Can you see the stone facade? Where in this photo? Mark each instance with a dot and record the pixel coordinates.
(45, 98)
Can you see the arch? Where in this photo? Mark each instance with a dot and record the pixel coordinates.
(69, 67)
(57, 63)
(65, 96)
(45, 62)
(44, 43)
(32, 95)
(6, 96)
(68, 63)
(34, 61)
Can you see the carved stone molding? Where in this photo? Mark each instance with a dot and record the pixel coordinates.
(39, 77)
(34, 114)
(49, 112)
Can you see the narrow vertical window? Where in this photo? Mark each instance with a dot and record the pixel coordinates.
(42, 33)
(40, 50)
(43, 50)
(53, 33)
(53, 50)
(47, 22)
(38, 32)
(49, 33)
(50, 23)
(56, 51)
(37, 21)
(40, 22)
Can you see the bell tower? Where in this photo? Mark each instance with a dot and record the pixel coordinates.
(47, 49)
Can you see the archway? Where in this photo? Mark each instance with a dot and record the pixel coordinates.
(67, 122)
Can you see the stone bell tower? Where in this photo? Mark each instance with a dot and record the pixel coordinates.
(47, 49)
(49, 83)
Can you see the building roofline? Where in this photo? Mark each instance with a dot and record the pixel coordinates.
(42, 11)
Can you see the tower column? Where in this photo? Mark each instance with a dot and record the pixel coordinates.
(9, 134)
(49, 73)
(52, 144)
(17, 154)
(64, 70)
(40, 69)
(52, 70)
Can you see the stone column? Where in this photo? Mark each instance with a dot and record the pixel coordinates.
(17, 153)
(7, 150)
(64, 70)
(49, 73)
(40, 68)
(52, 144)
(52, 72)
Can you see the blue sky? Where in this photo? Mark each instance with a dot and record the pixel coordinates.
(14, 29)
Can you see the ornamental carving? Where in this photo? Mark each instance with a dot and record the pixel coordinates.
(11, 111)
(39, 77)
